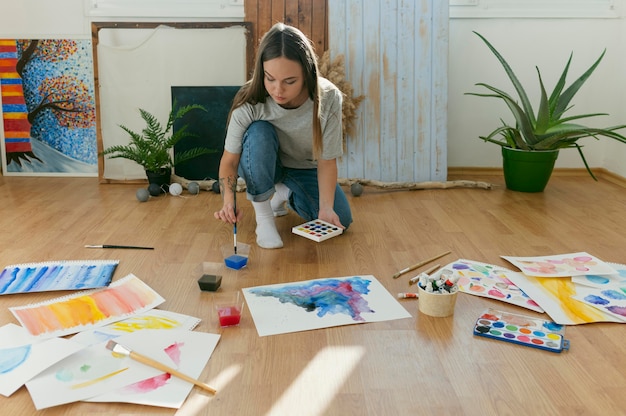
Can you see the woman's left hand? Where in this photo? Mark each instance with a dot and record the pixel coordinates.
(330, 216)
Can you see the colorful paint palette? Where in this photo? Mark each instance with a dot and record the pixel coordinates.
(317, 230)
(521, 329)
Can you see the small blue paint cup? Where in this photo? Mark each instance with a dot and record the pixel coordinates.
(239, 260)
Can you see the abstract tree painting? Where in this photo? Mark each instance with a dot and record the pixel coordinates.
(48, 107)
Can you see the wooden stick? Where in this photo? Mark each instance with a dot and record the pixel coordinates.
(416, 185)
(421, 263)
(432, 269)
(428, 271)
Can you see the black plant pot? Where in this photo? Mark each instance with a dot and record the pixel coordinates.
(160, 178)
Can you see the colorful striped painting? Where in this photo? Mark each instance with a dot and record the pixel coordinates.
(89, 309)
(57, 275)
(14, 112)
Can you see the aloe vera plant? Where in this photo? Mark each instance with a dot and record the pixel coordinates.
(549, 129)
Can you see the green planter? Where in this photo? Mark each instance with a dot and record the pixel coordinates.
(527, 171)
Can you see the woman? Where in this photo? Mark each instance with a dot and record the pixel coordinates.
(283, 138)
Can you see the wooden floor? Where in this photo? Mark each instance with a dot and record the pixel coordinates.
(416, 366)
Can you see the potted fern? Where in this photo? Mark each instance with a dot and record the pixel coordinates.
(153, 147)
(543, 134)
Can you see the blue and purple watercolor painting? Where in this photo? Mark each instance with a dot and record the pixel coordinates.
(604, 292)
(321, 303)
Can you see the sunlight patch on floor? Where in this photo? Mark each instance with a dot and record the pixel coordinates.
(196, 403)
(319, 382)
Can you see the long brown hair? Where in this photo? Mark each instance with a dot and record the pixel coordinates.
(289, 42)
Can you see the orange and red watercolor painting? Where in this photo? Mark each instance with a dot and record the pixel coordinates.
(71, 314)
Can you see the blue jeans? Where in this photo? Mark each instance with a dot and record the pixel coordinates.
(261, 168)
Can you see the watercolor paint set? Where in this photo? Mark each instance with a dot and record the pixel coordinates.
(317, 230)
(522, 330)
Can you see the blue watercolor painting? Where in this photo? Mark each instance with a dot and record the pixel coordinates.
(12, 358)
(325, 296)
(321, 303)
(23, 356)
(58, 275)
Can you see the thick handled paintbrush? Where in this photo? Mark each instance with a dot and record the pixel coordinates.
(122, 350)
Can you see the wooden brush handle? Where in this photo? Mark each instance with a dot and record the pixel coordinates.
(159, 366)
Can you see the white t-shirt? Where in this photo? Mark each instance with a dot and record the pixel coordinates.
(294, 127)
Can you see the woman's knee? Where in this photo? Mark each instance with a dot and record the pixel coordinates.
(260, 131)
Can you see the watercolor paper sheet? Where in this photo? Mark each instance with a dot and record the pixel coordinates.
(88, 309)
(321, 303)
(610, 299)
(96, 371)
(555, 296)
(562, 265)
(23, 356)
(153, 319)
(190, 354)
(603, 281)
(489, 281)
(56, 275)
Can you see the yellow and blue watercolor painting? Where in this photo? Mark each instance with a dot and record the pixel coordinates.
(581, 299)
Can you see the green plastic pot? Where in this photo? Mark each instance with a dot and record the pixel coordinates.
(528, 170)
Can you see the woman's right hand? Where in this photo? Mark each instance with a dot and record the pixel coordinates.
(227, 213)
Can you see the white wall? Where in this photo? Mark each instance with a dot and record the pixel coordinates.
(526, 43)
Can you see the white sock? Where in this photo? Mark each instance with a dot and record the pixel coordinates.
(266, 233)
(279, 200)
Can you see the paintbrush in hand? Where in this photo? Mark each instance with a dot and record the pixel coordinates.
(122, 350)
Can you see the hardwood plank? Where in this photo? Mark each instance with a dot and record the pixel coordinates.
(419, 365)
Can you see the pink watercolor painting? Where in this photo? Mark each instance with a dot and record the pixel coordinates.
(84, 310)
(561, 265)
(189, 351)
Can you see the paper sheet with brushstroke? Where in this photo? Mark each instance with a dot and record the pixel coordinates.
(190, 354)
(23, 356)
(56, 275)
(321, 303)
(555, 296)
(560, 265)
(603, 281)
(489, 281)
(96, 371)
(152, 319)
(610, 299)
(88, 309)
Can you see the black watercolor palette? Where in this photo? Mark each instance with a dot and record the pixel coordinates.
(522, 330)
(317, 230)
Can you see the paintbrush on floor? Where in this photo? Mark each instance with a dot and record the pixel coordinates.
(122, 350)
